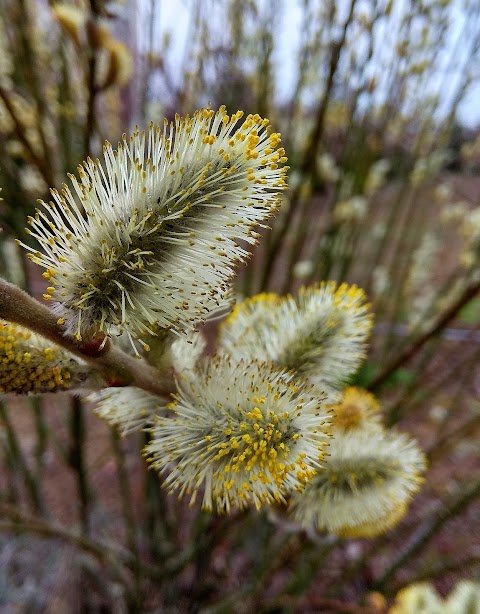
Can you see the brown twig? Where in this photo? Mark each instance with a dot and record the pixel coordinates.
(308, 162)
(20, 134)
(32, 483)
(92, 89)
(117, 367)
(20, 521)
(439, 568)
(410, 351)
(434, 523)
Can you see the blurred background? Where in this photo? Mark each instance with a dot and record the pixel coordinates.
(378, 104)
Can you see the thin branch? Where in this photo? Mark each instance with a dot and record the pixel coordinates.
(32, 483)
(445, 512)
(410, 351)
(92, 90)
(20, 134)
(103, 551)
(439, 568)
(308, 162)
(19, 521)
(118, 368)
(77, 463)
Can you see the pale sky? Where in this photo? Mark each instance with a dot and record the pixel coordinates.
(174, 18)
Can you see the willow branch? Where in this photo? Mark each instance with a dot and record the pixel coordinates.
(410, 351)
(308, 162)
(117, 559)
(118, 368)
(92, 90)
(20, 134)
(445, 512)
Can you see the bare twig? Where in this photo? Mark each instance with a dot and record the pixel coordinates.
(43, 169)
(439, 568)
(410, 351)
(434, 523)
(32, 483)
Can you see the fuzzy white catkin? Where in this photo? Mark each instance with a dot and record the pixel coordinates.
(241, 434)
(149, 237)
(131, 409)
(321, 333)
(422, 597)
(365, 486)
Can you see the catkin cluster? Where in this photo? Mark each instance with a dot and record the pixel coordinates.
(143, 246)
(368, 478)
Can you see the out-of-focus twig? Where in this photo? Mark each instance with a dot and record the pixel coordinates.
(21, 136)
(446, 510)
(410, 351)
(439, 568)
(32, 483)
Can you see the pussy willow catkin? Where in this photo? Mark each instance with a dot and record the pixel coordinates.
(150, 236)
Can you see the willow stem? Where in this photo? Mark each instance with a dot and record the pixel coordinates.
(411, 350)
(445, 512)
(117, 367)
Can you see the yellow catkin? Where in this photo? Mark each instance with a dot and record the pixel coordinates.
(27, 366)
(356, 408)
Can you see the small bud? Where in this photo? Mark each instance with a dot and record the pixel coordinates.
(356, 409)
(120, 64)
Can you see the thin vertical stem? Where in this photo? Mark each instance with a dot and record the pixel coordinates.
(41, 427)
(77, 461)
(128, 518)
(31, 484)
(307, 166)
